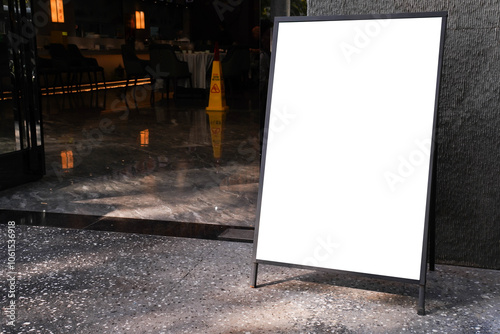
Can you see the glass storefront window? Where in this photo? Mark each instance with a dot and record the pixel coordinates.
(153, 151)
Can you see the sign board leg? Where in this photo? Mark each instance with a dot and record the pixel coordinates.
(253, 278)
(432, 245)
(421, 300)
(432, 219)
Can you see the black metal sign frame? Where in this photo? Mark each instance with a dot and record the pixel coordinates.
(427, 224)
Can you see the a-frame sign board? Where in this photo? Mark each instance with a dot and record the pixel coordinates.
(348, 152)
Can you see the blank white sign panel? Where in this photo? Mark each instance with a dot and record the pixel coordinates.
(347, 156)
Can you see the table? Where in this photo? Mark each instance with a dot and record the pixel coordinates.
(198, 63)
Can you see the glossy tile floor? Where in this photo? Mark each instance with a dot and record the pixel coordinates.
(87, 281)
(150, 162)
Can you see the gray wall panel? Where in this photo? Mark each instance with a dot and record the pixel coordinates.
(468, 180)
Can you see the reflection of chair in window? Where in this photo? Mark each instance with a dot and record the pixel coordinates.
(167, 66)
(135, 68)
(61, 62)
(85, 64)
(47, 71)
(235, 67)
(5, 78)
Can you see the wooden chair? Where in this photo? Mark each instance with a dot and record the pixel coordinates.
(85, 65)
(136, 68)
(61, 62)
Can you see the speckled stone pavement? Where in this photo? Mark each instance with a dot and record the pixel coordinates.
(80, 281)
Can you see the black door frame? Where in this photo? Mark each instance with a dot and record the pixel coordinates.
(27, 162)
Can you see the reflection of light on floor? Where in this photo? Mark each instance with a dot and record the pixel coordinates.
(144, 137)
(83, 88)
(67, 160)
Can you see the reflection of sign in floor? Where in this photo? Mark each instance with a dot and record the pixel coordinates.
(216, 120)
(215, 89)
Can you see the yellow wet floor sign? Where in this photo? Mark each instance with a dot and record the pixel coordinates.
(217, 107)
(215, 89)
(217, 100)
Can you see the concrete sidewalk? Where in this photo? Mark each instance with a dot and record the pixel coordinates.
(81, 281)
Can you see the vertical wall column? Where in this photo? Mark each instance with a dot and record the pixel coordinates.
(280, 8)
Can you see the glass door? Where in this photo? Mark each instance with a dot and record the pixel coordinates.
(21, 138)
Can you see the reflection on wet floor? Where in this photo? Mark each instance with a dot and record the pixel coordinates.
(161, 161)
(7, 127)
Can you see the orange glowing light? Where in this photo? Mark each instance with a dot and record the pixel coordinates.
(139, 20)
(67, 160)
(145, 137)
(57, 11)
